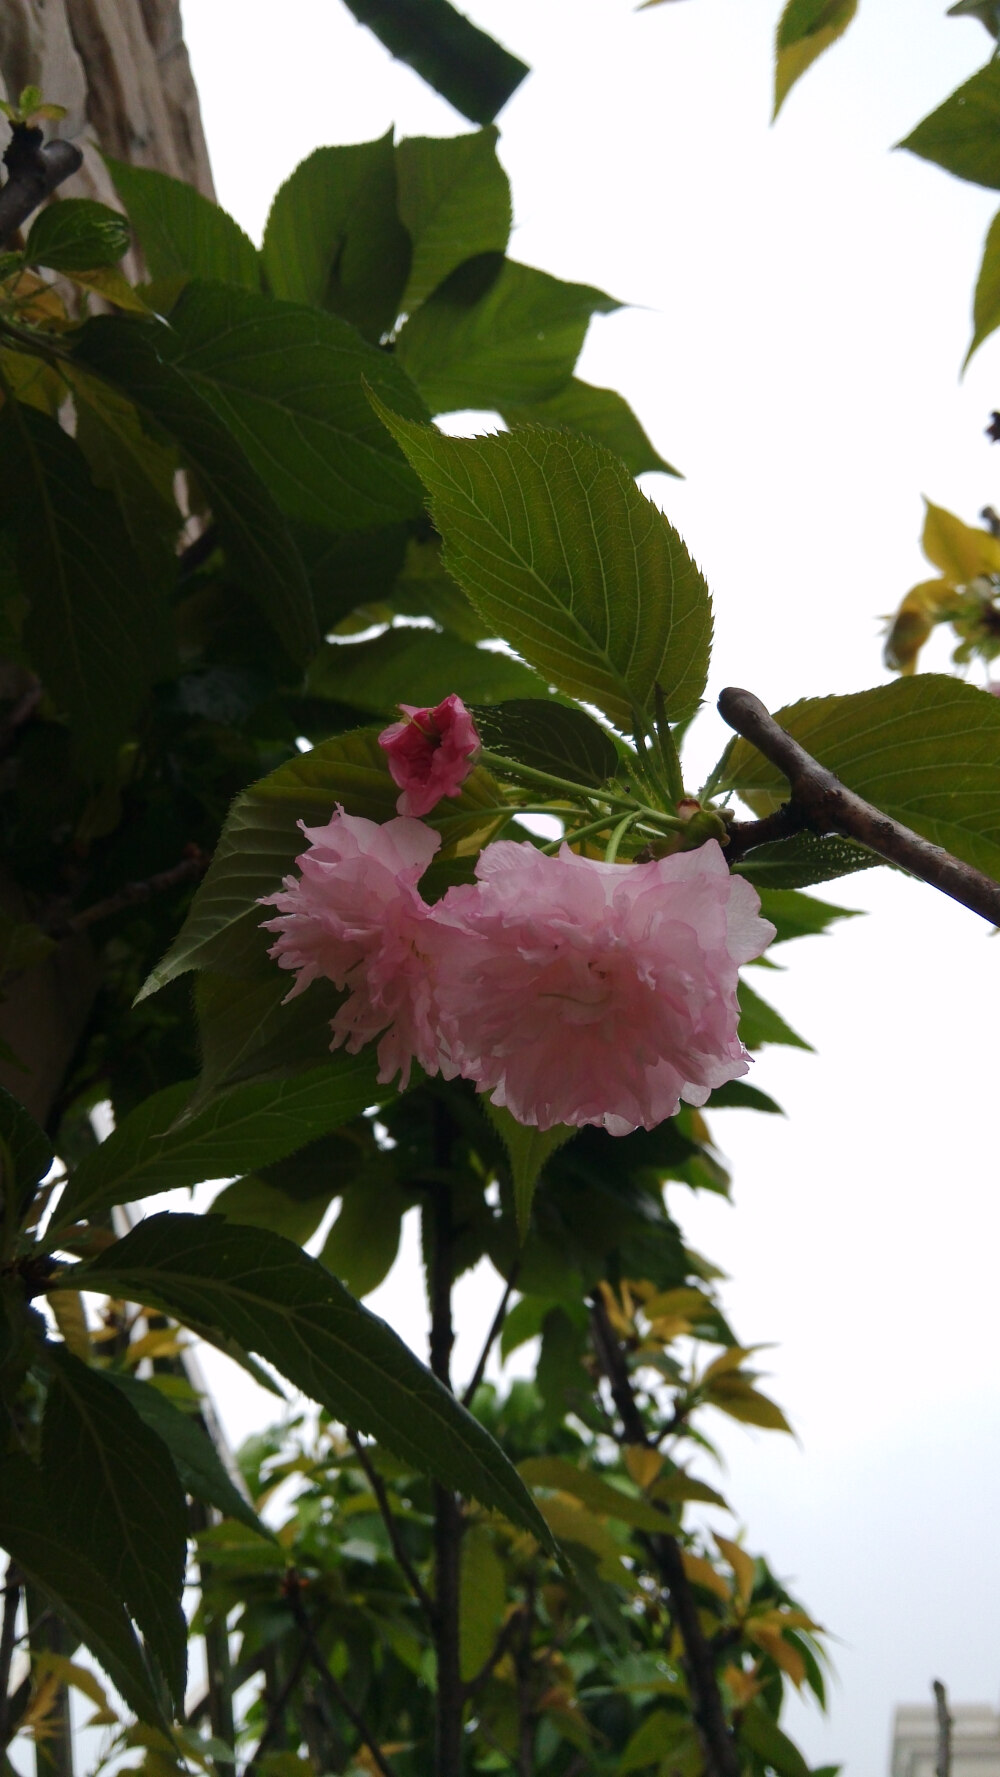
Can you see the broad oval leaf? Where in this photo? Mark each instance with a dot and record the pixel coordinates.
(198, 1464)
(454, 201)
(558, 550)
(183, 234)
(121, 1499)
(926, 750)
(77, 234)
(273, 1299)
(416, 666)
(960, 551)
(550, 736)
(600, 414)
(25, 1157)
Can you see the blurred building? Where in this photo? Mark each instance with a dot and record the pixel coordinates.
(975, 1740)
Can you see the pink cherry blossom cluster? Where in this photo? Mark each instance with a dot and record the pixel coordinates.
(574, 991)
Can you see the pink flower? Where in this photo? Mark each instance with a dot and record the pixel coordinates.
(581, 992)
(430, 754)
(355, 915)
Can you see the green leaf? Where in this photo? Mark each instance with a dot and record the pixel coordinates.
(287, 382)
(121, 1498)
(926, 750)
(275, 1300)
(963, 134)
(600, 414)
(254, 1203)
(667, 1740)
(247, 1033)
(594, 1492)
(454, 200)
(25, 1154)
(361, 1246)
(482, 1600)
(334, 239)
(760, 1023)
(77, 234)
(986, 303)
(95, 629)
(759, 1732)
(181, 233)
(199, 1467)
(34, 1531)
(425, 589)
(256, 538)
(557, 548)
(468, 68)
(137, 470)
(497, 332)
(799, 916)
(527, 1152)
(153, 1150)
(261, 840)
(549, 736)
(415, 666)
(803, 860)
(737, 1095)
(806, 28)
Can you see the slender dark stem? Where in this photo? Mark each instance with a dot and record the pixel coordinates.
(500, 1647)
(447, 1510)
(526, 1713)
(495, 1326)
(8, 1637)
(274, 1726)
(378, 1487)
(133, 894)
(820, 803)
(335, 1692)
(721, 1756)
(942, 1767)
(35, 168)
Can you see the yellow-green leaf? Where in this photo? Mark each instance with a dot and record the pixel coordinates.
(805, 30)
(483, 1594)
(960, 551)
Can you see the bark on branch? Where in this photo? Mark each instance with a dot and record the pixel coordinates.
(819, 803)
(35, 167)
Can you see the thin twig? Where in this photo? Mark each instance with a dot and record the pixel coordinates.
(820, 803)
(500, 1647)
(448, 1522)
(133, 894)
(495, 1325)
(8, 1639)
(276, 1711)
(944, 1726)
(335, 1692)
(35, 168)
(378, 1487)
(721, 1756)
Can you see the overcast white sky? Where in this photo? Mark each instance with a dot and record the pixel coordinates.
(801, 312)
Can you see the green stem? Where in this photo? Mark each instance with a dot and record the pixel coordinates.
(530, 776)
(616, 838)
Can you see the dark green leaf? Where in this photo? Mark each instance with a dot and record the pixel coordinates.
(351, 569)
(253, 532)
(600, 414)
(986, 304)
(361, 1246)
(334, 239)
(803, 860)
(120, 1497)
(254, 1203)
(806, 28)
(761, 1734)
(926, 750)
(34, 1531)
(799, 916)
(558, 549)
(454, 199)
(287, 382)
(95, 630)
(737, 1095)
(181, 233)
(963, 134)
(25, 1153)
(77, 234)
(527, 1152)
(425, 589)
(415, 666)
(246, 1032)
(275, 1300)
(468, 68)
(137, 470)
(152, 1150)
(198, 1464)
(497, 333)
(261, 840)
(760, 1023)
(549, 736)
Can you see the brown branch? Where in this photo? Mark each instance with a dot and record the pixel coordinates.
(820, 803)
(500, 1647)
(942, 1767)
(334, 1690)
(721, 1756)
(495, 1325)
(133, 894)
(378, 1487)
(35, 168)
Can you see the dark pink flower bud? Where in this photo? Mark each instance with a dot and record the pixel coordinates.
(430, 754)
